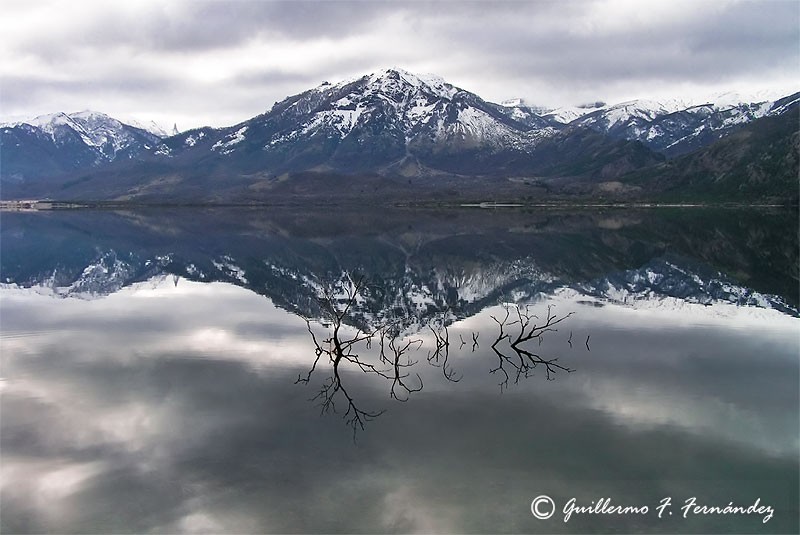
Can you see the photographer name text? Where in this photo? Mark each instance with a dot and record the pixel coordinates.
(543, 507)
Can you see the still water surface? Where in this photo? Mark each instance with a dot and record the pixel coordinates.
(150, 366)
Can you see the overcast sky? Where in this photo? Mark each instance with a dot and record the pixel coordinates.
(220, 62)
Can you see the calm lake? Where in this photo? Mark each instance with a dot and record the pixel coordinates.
(333, 370)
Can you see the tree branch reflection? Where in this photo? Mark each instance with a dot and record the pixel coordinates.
(350, 342)
(522, 361)
(441, 353)
(339, 347)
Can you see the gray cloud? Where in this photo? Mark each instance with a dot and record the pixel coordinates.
(20, 89)
(194, 27)
(245, 55)
(739, 40)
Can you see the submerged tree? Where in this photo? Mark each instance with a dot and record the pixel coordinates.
(522, 361)
(440, 355)
(350, 342)
(344, 344)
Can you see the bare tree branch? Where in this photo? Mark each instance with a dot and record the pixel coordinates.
(523, 361)
(441, 354)
(393, 362)
(398, 365)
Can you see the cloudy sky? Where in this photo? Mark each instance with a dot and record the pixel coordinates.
(220, 62)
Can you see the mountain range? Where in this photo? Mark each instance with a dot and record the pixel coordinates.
(396, 135)
(419, 264)
(673, 127)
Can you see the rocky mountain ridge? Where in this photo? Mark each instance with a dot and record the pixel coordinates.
(671, 127)
(59, 143)
(389, 135)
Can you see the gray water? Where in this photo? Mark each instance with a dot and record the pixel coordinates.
(150, 366)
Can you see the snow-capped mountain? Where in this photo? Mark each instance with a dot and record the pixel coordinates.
(522, 111)
(388, 122)
(623, 114)
(528, 113)
(567, 114)
(423, 109)
(604, 115)
(150, 126)
(672, 126)
(60, 142)
(676, 127)
(388, 119)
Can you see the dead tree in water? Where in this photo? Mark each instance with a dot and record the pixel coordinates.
(441, 354)
(340, 347)
(524, 361)
(392, 360)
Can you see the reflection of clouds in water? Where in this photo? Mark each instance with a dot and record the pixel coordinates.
(655, 406)
(404, 511)
(198, 318)
(189, 421)
(48, 481)
(46, 488)
(732, 374)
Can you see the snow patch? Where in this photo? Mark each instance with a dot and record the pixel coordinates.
(192, 140)
(229, 141)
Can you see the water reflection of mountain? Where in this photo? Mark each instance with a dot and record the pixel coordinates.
(419, 263)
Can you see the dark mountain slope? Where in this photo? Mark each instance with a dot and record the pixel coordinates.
(757, 163)
(58, 144)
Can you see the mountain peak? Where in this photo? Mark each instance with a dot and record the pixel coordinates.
(514, 103)
(85, 122)
(388, 78)
(147, 125)
(392, 80)
(76, 140)
(48, 119)
(75, 120)
(89, 114)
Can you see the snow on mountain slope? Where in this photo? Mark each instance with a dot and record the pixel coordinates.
(95, 129)
(782, 105)
(611, 117)
(671, 278)
(394, 99)
(671, 126)
(677, 126)
(148, 126)
(110, 135)
(567, 114)
(59, 143)
(391, 121)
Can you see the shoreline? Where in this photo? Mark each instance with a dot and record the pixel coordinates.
(32, 205)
